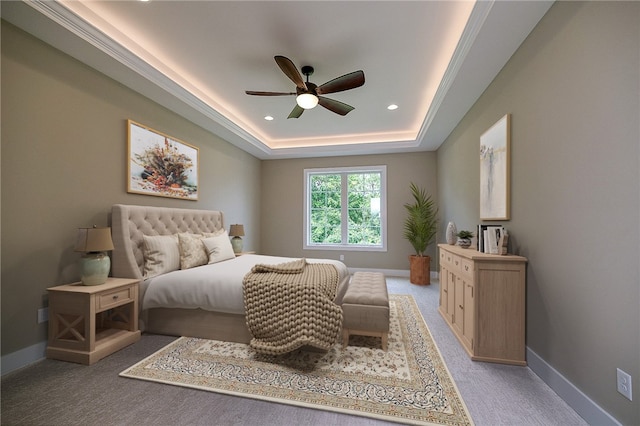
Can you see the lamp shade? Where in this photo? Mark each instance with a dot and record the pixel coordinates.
(307, 100)
(236, 231)
(94, 240)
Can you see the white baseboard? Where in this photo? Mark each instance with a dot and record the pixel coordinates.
(574, 397)
(23, 357)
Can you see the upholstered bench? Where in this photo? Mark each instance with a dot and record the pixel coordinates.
(365, 307)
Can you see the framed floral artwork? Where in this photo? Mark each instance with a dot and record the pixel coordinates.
(160, 165)
(495, 170)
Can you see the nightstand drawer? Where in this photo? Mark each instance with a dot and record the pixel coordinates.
(113, 298)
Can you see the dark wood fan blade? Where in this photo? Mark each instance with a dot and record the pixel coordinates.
(296, 112)
(345, 82)
(290, 70)
(251, 92)
(335, 106)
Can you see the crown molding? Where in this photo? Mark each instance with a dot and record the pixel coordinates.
(494, 32)
(477, 59)
(201, 113)
(476, 20)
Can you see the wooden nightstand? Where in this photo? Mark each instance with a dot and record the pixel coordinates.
(87, 323)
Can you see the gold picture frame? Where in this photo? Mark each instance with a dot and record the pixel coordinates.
(495, 171)
(160, 165)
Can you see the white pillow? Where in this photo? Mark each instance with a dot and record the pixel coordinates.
(192, 251)
(214, 234)
(219, 248)
(161, 254)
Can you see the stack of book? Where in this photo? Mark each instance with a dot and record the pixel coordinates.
(492, 239)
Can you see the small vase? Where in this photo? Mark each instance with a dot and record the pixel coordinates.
(451, 233)
(464, 242)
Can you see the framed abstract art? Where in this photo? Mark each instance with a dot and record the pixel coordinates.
(495, 171)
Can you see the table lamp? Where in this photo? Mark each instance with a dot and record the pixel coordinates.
(95, 263)
(236, 231)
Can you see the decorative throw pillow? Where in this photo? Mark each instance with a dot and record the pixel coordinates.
(219, 248)
(214, 234)
(161, 254)
(192, 252)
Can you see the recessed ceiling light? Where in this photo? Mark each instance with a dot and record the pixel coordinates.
(268, 117)
(392, 107)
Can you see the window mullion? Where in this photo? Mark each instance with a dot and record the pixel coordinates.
(344, 210)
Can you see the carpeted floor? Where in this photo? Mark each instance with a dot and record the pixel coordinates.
(409, 382)
(60, 393)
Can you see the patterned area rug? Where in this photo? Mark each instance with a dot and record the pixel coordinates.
(409, 383)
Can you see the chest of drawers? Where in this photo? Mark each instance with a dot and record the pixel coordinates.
(482, 299)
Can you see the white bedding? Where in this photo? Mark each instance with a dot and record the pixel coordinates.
(216, 287)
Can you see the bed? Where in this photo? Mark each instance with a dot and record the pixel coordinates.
(182, 302)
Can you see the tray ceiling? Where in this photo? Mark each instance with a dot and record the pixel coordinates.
(431, 58)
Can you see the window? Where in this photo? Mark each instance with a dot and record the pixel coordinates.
(345, 208)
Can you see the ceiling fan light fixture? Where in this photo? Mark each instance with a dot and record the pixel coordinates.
(307, 100)
(308, 95)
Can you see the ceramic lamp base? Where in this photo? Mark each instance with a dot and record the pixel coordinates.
(94, 268)
(236, 243)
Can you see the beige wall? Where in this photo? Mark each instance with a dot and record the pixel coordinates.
(573, 91)
(283, 207)
(64, 165)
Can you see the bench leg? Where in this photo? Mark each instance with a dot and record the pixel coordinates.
(384, 335)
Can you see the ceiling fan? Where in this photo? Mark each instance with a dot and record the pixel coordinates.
(308, 95)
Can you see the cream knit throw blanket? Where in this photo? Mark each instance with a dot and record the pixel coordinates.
(290, 305)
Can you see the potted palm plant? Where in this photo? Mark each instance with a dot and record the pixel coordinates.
(420, 229)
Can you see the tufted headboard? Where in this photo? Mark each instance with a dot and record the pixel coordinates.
(130, 223)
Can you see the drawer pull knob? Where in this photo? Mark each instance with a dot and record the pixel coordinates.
(460, 306)
(445, 290)
(115, 297)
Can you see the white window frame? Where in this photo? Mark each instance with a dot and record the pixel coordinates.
(382, 169)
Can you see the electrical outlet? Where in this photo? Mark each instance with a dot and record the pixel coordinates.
(43, 315)
(624, 383)
(342, 257)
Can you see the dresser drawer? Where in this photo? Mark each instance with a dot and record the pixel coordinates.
(457, 262)
(466, 267)
(447, 258)
(113, 298)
